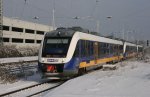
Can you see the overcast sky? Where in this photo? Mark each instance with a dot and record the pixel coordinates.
(132, 16)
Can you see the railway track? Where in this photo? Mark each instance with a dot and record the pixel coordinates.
(33, 89)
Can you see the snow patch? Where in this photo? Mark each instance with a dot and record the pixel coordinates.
(132, 79)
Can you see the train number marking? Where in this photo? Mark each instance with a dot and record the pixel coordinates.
(52, 60)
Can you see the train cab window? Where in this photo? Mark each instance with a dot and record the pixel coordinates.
(55, 47)
(57, 41)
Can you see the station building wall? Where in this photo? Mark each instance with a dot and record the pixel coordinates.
(23, 33)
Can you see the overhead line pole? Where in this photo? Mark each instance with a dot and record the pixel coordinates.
(1, 22)
(53, 21)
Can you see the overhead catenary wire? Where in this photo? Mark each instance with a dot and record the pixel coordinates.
(27, 4)
(31, 6)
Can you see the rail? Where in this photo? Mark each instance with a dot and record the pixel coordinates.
(32, 90)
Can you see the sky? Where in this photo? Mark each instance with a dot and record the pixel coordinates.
(128, 16)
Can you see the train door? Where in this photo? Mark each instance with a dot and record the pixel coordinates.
(96, 52)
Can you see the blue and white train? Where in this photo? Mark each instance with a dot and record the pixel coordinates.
(66, 52)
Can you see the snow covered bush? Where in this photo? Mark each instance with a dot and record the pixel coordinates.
(28, 51)
(13, 51)
(9, 51)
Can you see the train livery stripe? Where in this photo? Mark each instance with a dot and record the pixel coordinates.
(81, 36)
(99, 61)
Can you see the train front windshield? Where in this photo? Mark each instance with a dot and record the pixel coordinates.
(55, 47)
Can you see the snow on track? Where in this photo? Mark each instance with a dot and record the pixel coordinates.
(22, 83)
(33, 90)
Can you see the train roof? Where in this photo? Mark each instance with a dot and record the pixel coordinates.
(69, 32)
(132, 44)
(63, 32)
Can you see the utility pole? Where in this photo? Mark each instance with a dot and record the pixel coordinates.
(1, 22)
(97, 26)
(53, 21)
(123, 34)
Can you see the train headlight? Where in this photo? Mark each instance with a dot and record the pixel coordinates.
(42, 60)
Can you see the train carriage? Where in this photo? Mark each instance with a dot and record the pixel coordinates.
(140, 50)
(68, 52)
(130, 50)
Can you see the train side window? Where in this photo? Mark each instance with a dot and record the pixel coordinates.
(89, 46)
(105, 45)
(127, 49)
(82, 48)
(102, 49)
(99, 51)
(86, 49)
(110, 48)
(92, 50)
(107, 49)
(120, 47)
(76, 53)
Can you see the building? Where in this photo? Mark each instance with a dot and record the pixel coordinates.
(22, 33)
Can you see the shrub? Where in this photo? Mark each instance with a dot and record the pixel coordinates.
(7, 51)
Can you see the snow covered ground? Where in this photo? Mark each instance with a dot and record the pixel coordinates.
(21, 83)
(131, 79)
(18, 59)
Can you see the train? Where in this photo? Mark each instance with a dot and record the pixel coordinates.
(67, 52)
